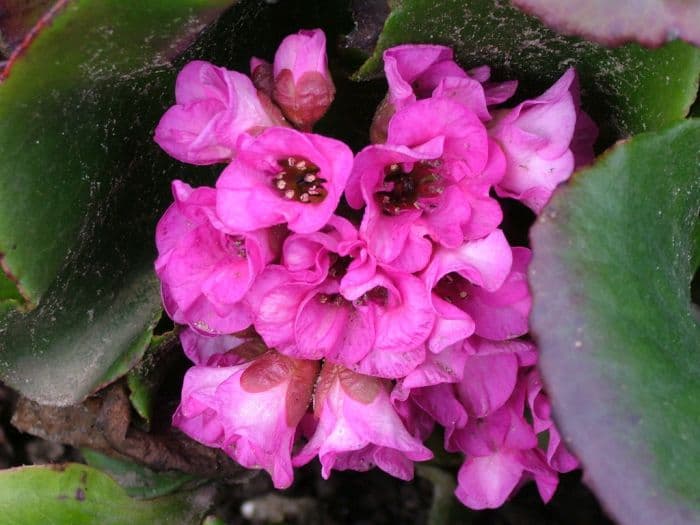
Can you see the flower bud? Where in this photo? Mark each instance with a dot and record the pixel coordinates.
(303, 87)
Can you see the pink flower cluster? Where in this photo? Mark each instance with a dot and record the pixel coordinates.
(314, 335)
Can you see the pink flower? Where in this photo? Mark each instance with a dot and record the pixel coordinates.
(250, 411)
(205, 268)
(496, 313)
(456, 276)
(214, 106)
(221, 350)
(358, 428)
(501, 453)
(302, 83)
(488, 380)
(330, 299)
(426, 181)
(284, 176)
(416, 72)
(468, 379)
(537, 137)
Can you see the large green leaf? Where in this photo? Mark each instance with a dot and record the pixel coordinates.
(83, 184)
(651, 22)
(70, 126)
(74, 494)
(614, 254)
(627, 90)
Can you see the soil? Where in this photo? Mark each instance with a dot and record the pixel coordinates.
(370, 498)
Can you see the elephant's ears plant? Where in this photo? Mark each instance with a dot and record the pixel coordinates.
(351, 272)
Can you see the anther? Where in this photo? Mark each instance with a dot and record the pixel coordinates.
(281, 184)
(289, 194)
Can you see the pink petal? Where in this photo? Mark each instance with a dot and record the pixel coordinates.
(486, 482)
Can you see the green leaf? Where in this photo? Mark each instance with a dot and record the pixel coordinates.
(650, 22)
(73, 92)
(74, 494)
(614, 254)
(8, 290)
(83, 190)
(83, 184)
(136, 480)
(144, 379)
(626, 90)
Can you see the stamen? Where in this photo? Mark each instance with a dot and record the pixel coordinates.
(409, 190)
(299, 180)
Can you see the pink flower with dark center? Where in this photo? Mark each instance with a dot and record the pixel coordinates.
(205, 268)
(221, 350)
(455, 276)
(538, 138)
(432, 188)
(302, 83)
(497, 313)
(358, 428)
(214, 106)
(329, 299)
(501, 453)
(250, 411)
(283, 176)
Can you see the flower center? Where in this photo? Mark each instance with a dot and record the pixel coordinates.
(298, 180)
(235, 245)
(451, 288)
(419, 188)
(332, 298)
(339, 266)
(378, 295)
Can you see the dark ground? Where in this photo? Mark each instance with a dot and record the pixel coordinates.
(371, 498)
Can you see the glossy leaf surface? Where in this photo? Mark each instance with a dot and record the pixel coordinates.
(614, 254)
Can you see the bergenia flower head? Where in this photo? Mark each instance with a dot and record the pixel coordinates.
(410, 302)
(303, 87)
(214, 106)
(283, 176)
